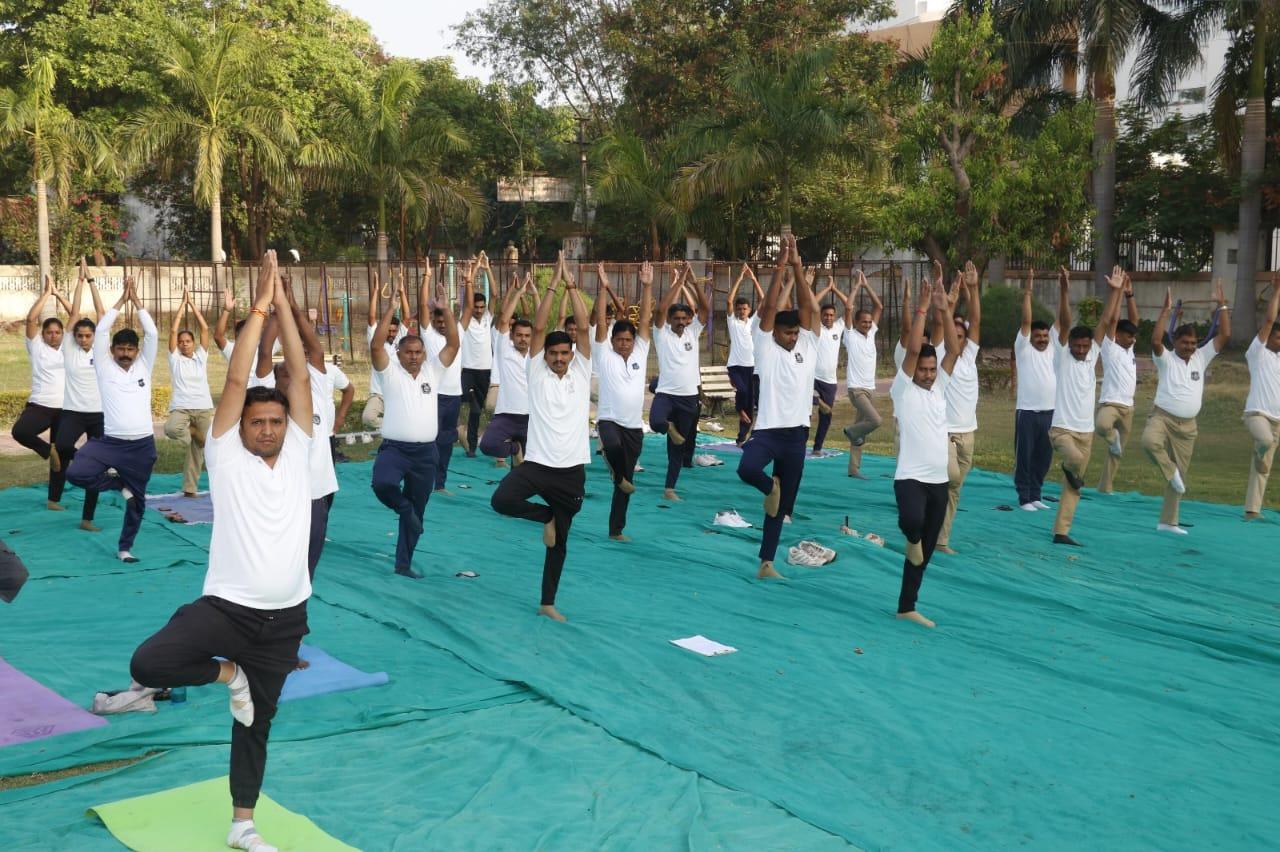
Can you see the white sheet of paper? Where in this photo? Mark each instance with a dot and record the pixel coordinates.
(702, 645)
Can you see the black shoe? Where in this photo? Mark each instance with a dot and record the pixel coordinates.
(1066, 539)
(1074, 481)
(410, 573)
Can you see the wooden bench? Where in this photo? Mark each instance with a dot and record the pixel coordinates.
(714, 388)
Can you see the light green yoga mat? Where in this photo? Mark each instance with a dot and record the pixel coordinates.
(196, 818)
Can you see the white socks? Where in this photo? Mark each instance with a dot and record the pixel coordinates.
(1176, 482)
(1029, 507)
(241, 702)
(1040, 504)
(126, 556)
(244, 836)
(1171, 528)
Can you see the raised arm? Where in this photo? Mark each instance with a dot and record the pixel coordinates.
(733, 291)
(1273, 308)
(877, 306)
(266, 345)
(806, 301)
(228, 308)
(509, 300)
(703, 299)
(404, 305)
(944, 306)
(150, 334)
(33, 315)
(452, 342)
(905, 317)
(1130, 300)
(540, 319)
(915, 337)
(1223, 337)
(838, 293)
(769, 304)
(974, 297)
(1026, 303)
(176, 325)
(1157, 331)
(230, 406)
(378, 356)
(93, 292)
(66, 306)
(375, 298)
(855, 284)
(644, 319)
(668, 299)
(75, 298)
(602, 284)
(937, 334)
(1064, 305)
(580, 315)
(299, 393)
(311, 345)
(1107, 322)
(200, 321)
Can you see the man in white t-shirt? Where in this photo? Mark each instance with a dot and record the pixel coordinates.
(1262, 408)
(81, 402)
(404, 471)
(1170, 434)
(961, 393)
(619, 363)
(1075, 356)
(1114, 420)
(825, 381)
(45, 344)
(674, 410)
(476, 357)
(554, 467)
(920, 480)
(396, 331)
(247, 626)
(191, 405)
(504, 438)
(124, 457)
(860, 371)
(740, 365)
(1037, 385)
(449, 403)
(786, 354)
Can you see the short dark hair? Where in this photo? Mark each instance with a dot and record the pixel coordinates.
(261, 394)
(478, 299)
(857, 316)
(186, 331)
(521, 323)
(927, 351)
(437, 312)
(125, 337)
(1080, 332)
(741, 300)
(677, 308)
(828, 307)
(44, 326)
(410, 338)
(395, 320)
(1127, 327)
(570, 319)
(1275, 328)
(84, 322)
(1185, 330)
(1039, 325)
(786, 319)
(623, 327)
(557, 338)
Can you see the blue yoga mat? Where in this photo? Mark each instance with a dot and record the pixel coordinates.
(326, 674)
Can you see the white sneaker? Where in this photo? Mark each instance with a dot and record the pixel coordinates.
(1029, 507)
(706, 460)
(1176, 483)
(731, 518)
(1041, 505)
(241, 698)
(810, 554)
(1115, 448)
(244, 835)
(1171, 528)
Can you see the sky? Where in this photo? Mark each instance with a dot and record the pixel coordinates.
(418, 28)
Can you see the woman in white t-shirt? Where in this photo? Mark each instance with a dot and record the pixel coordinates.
(191, 404)
(44, 407)
(81, 401)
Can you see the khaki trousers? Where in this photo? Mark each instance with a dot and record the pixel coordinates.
(189, 426)
(1112, 418)
(371, 417)
(867, 422)
(1169, 441)
(1266, 435)
(1073, 450)
(959, 463)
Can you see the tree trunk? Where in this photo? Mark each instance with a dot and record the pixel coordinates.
(1104, 182)
(215, 234)
(786, 203)
(1244, 317)
(655, 250)
(42, 230)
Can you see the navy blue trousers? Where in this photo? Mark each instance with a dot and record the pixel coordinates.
(825, 391)
(784, 448)
(414, 465)
(319, 528)
(449, 408)
(505, 434)
(1033, 452)
(746, 390)
(682, 413)
(134, 460)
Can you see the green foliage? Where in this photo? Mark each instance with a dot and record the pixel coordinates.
(84, 226)
(1089, 311)
(1002, 315)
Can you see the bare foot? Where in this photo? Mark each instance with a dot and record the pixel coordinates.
(620, 537)
(189, 494)
(670, 494)
(915, 553)
(88, 526)
(676, 437)
(917, 618)
(444, 491)
(549, 533)
(54, 507)
(774, 501)
(626, 486)
(942, 548)
(768, 572)
(551, 612)
(302, 665)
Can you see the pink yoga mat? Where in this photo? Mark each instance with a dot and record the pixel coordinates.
(31, 711)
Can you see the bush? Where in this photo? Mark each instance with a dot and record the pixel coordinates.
(1002, 315)
(12, 403)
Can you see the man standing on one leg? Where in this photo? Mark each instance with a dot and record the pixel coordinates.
(620, 365)
(559, 450)
(860, 371)
(1114, 421)
(124, 457)
(450, 402)
(1262, 408)
(1076, 367)
(45, 344)
(82, 404)
(824, 376)
(253, 611)
(477, 358)
(1037, 386)
(961, 394)
(410, 387)
(507, 432)
(786, 355)
(191, 406)
(741, 361)
(674, 410)
(395, 332)
(920, 481)
(1170, 434)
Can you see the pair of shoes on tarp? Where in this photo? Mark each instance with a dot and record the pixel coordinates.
(810, 554)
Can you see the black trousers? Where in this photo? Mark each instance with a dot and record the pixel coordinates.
(33, 420)
(264, 643)
(71, 426)
(475, 388)
(562, 488)
(682, 413)
(621, 448)
(319, 528)
(922, 507)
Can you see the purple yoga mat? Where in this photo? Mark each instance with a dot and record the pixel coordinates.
(31, 711)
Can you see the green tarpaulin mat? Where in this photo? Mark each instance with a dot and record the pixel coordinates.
(194, 817)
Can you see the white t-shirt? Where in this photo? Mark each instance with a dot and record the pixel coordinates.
(829, 352)
(411, 410)
(229, 349)
(1119, 373)
(860, 369)
(1077, 387)
(255, 381)
(477, 344)
(48, 371)
(922, 428)
(324, 480)
(559, 411)
(621, 383)
(1264, 380)
(1037, 382)
(962, 390)
(678, 373)
(190, 377)
(451, 376)
(899, 354)
(261, 521)
(741, 348)
(126, 394)
(81, 392)
(512, 370)
(375, 381)
(1180, 384)
(786, 380)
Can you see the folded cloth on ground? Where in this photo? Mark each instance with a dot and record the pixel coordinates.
(135, 699)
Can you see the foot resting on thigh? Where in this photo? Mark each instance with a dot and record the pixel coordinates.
(1177, 484)
(54, 507)
(823, 407)
(245, 836)
(675, 436)
(1074, 481)
(551, 612)
(768, 572)
(1061, 538)
(549, 533)
(1114, 446)
(55, 462)
(774, 501)
(626, 486)
(670, 494)
(917, 618)
(241, 699)
(88, 526)
(915, 552)
(943, 548)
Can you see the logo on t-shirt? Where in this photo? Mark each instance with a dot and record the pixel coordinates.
(426, 387)
(835, 335)
(1195, 375)
(635, 365)
(315, 419)
(799, 357)
(142, 383)
(688, 346)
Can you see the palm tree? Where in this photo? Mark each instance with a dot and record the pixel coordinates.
(642, 176)
(216, 112)
(60, 147)
(778, 125)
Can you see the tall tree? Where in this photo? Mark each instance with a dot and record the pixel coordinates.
(642, 176)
